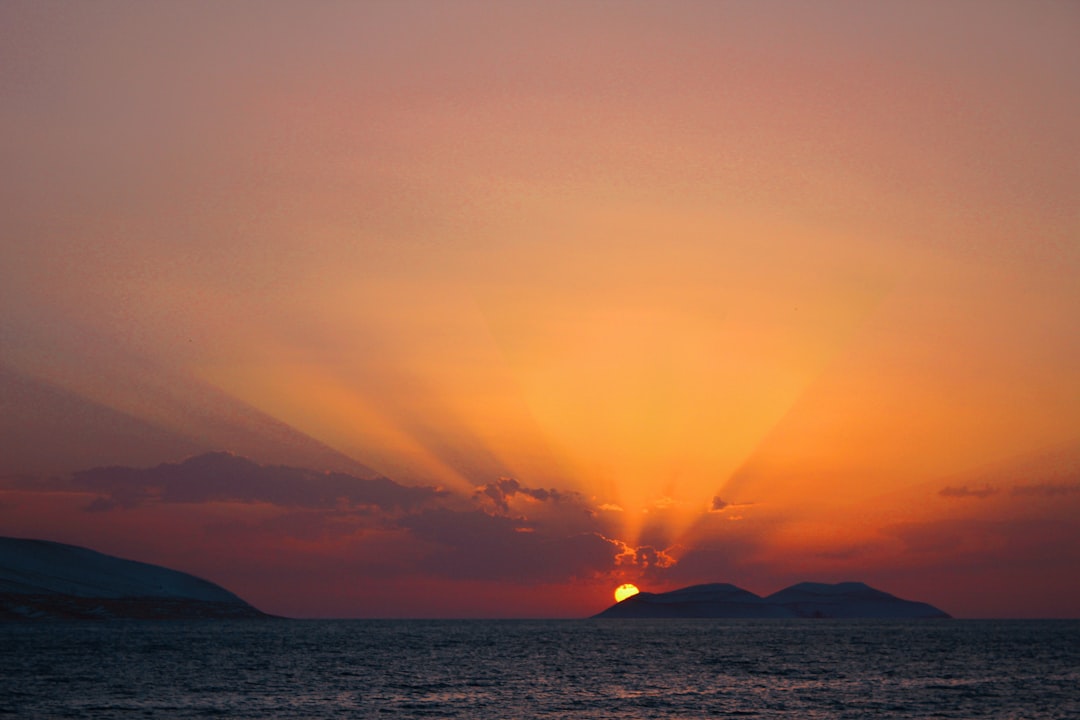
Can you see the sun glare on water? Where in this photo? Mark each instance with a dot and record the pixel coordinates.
(624, 591)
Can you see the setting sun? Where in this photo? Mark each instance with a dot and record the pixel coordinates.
(624, 591)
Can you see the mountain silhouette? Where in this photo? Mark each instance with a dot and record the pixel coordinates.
(804, 600)
(42, 580)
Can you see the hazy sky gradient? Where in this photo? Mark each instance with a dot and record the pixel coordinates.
(818, 260)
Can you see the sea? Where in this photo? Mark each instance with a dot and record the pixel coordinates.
(603, 669)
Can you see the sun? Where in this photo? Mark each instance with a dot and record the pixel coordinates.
(624, 591)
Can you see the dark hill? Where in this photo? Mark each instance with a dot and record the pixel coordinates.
(804, 600)
(41, 580)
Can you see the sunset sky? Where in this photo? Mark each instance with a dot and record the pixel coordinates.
(498, 305)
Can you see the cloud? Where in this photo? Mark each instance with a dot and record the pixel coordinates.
(222, 477)
(419, 531)
(435, 532)
(663, 503)
(708, 561)
(644, 556)
(501, 492)
(719, 505)
(963, 491)
(1047, 489)
(479, 546)
(303, 524)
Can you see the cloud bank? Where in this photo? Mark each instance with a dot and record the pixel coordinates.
(504, 531)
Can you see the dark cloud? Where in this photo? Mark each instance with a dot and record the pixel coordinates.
(503, 490)
(720, 505)
(222, 477)
(707, 562)
(1047, 489)
(480, 546)
(410, 530)
(963, 491)
(645, 557)
(303, 524)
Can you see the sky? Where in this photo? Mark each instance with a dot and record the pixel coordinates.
(482, 309)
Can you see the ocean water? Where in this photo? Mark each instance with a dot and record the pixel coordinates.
(542, 669)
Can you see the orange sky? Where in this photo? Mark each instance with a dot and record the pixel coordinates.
(814, 262)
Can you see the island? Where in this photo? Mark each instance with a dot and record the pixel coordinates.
(43, 580)
(804, 600)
